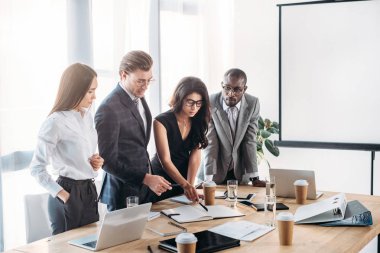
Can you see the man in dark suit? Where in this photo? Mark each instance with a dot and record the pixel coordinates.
(123, 122)
(231, 153)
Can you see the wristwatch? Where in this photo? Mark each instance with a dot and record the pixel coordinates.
(253, 179)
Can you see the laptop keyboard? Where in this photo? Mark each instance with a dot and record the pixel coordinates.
(90, 244)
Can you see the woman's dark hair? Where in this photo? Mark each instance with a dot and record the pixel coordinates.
(75, 82)
(199, 126)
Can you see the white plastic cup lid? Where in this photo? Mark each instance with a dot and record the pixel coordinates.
(209, 184)
(285, 216)
(301, 182)
(186, 238)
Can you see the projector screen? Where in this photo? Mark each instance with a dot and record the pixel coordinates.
(330, 72)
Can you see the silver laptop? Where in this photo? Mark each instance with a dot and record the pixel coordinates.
(285, 179)
(118, 227)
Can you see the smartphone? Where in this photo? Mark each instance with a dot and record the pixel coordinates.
(247, 203)
(249, 196)
(259, 207)
(279, 206)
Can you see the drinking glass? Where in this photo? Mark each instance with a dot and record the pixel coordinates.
(271, 186)
(232, 191)
(270, 210)
(132, 201)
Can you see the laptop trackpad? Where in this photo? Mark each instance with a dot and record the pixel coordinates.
(88, 241)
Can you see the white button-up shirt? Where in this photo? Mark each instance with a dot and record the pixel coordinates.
(67, 140)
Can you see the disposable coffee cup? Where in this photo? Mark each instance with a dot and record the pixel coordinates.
(300, 187)
(285, 224)
(186, 243)
(209, 188)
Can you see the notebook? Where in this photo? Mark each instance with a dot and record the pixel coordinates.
(207, 242)
(285, 179)
(118, 227)
(191, 213)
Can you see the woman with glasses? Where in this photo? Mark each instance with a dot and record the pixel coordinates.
(180, 134)
(68, 140)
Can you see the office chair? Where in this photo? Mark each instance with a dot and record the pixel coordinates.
(11, 162)
(37, 224)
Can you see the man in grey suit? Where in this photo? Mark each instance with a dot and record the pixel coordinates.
(123, 122)
(231, 153)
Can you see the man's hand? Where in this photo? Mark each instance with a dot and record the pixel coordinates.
(157, 184)
(96, 161)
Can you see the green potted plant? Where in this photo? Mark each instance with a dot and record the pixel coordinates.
(266, 129)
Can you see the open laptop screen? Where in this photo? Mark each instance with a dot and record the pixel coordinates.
(285, 179)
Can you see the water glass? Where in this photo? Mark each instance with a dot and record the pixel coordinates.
(270, 210)
(232, 191)
(271, 186)
(132, 201)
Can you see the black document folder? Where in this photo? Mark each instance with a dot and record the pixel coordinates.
(356, 215)
(207, 242)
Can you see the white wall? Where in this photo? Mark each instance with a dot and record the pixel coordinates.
(256, 52)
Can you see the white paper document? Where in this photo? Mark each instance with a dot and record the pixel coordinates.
(190, 213)
(330, 209)
(242, 230)
(181, 199)
(153, 215)
(220, 194)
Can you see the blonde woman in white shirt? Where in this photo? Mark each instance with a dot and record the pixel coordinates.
(68, 140)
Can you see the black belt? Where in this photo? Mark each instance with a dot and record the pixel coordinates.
(81, 181)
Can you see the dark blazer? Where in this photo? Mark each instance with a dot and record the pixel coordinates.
(123, 145)
(222, 148)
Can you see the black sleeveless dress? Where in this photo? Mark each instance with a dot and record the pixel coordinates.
(179, 149)
(179, 152)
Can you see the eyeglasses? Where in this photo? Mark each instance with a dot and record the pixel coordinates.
(236, 90)
(142, 82)
(191, 103)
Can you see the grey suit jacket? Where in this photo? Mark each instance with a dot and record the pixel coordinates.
(123, 145)
(222, 148)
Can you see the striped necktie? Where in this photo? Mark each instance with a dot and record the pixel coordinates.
(232, 113)
(136, 102)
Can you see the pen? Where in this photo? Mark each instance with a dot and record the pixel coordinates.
(150, 249)
(203, 206)
(198, 186)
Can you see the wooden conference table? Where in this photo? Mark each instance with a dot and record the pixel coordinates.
(306, 238)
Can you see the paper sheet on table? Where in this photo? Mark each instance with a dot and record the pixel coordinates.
(242, 230)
